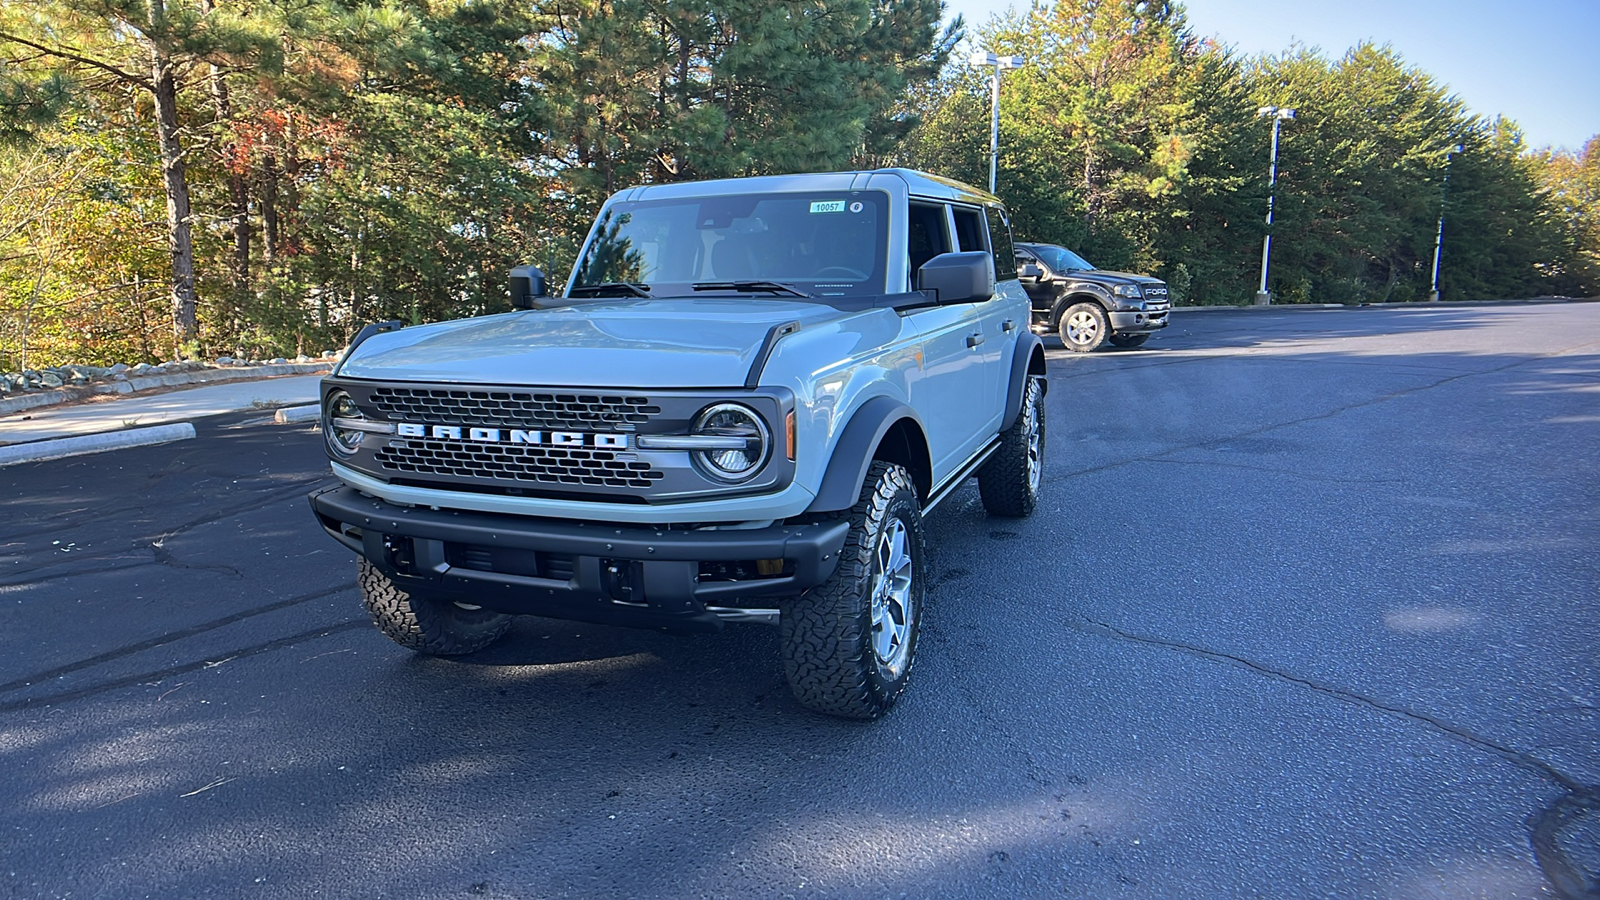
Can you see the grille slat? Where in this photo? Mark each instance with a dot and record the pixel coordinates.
(516, 462)
(514, 409)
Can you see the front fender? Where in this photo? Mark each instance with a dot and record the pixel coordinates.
(853, 454)
(1076, 293)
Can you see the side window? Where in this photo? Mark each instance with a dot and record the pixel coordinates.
(1005, 254)
(926, 234)
(969, 229)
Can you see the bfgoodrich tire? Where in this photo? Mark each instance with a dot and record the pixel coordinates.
(1009, 482)
(1083, 327)
(848, 644)
(427, 624)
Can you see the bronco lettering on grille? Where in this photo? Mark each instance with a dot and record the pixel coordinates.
(514, 436)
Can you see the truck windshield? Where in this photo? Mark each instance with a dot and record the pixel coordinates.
(819, 243)
(1060, 259)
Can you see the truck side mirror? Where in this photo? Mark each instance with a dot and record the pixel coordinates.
(1030, 272)
(527, 282)
(958, 277)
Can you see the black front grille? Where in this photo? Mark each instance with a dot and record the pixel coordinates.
(518, 462)
(513, 409)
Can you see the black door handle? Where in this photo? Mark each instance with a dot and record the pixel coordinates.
(974, 340)
(1008, 326)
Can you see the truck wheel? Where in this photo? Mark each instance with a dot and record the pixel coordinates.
(1009, 481)
(848, 643)
(1083, 327)
(1129, 340)
(425, 624)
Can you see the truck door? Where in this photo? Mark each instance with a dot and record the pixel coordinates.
(994, 335)
(949, 389)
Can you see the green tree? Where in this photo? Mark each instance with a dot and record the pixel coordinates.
(51, 50)
(1571, 185)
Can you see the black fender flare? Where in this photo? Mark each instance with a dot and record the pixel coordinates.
(1075, 293)
(853, 454)
(1027, 360)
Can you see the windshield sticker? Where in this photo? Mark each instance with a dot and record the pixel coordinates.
(827, 206)
(856, 207)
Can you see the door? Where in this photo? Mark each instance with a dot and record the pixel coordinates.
(997, 320)
(949, 390)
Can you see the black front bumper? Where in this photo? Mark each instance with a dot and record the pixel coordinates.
(642, 576)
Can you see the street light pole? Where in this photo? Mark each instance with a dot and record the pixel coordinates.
(1279, 115)
(980, 59)
(1438, 239)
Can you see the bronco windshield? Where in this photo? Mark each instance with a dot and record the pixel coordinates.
(824, 244)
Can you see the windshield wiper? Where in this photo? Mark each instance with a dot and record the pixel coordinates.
(627, 288)
(750, 287)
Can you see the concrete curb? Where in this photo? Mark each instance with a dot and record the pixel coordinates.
(56, 448)
(146, 382)
(293, 415)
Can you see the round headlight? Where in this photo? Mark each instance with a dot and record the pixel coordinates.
(749, 441)
(344, 440)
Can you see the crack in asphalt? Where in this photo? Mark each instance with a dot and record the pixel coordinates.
(1570, 879)
(168, 638)
(76, 570)
(156, 676)
(165, 558)
(1332, 479)
(138, 543)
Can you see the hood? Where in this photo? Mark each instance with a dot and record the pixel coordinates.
(1106, 276)
(668, 343)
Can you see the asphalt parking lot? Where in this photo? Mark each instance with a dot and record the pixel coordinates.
(1311, 609)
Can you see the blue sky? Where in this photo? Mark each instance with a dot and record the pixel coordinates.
(1536, 62)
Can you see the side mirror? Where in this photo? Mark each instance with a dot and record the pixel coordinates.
(958, 277)
(527, 282)
(1030, 272)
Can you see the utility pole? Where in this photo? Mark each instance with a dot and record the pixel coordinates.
(1279, 115)
(1000, 63)
(1438, 239)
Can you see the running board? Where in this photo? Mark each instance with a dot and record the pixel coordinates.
(961, 475)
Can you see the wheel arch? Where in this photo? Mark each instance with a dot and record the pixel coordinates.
(1072, 298)
(1027, 361)
(883, 428)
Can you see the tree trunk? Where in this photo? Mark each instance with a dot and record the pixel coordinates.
(269, 209)
(179, 236)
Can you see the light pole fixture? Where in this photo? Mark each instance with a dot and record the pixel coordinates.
(1438, 239)
(979, 60)
(1278, 115)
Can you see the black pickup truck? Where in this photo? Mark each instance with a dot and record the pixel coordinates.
(1089, 306)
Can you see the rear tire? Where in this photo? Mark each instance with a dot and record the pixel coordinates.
(429, 625)
(1129, 340)
(1009, 482)
(849, 643)
(1083, 327)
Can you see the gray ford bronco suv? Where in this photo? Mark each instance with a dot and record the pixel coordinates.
(750, 395)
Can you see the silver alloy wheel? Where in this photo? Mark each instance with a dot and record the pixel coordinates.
(1082, 327)
(891, 599)
(1035, 443)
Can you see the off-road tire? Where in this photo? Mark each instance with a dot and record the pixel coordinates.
(827, 635)
(1083, 327)
(1009, 482)
(425, 624)
(1129, 340)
